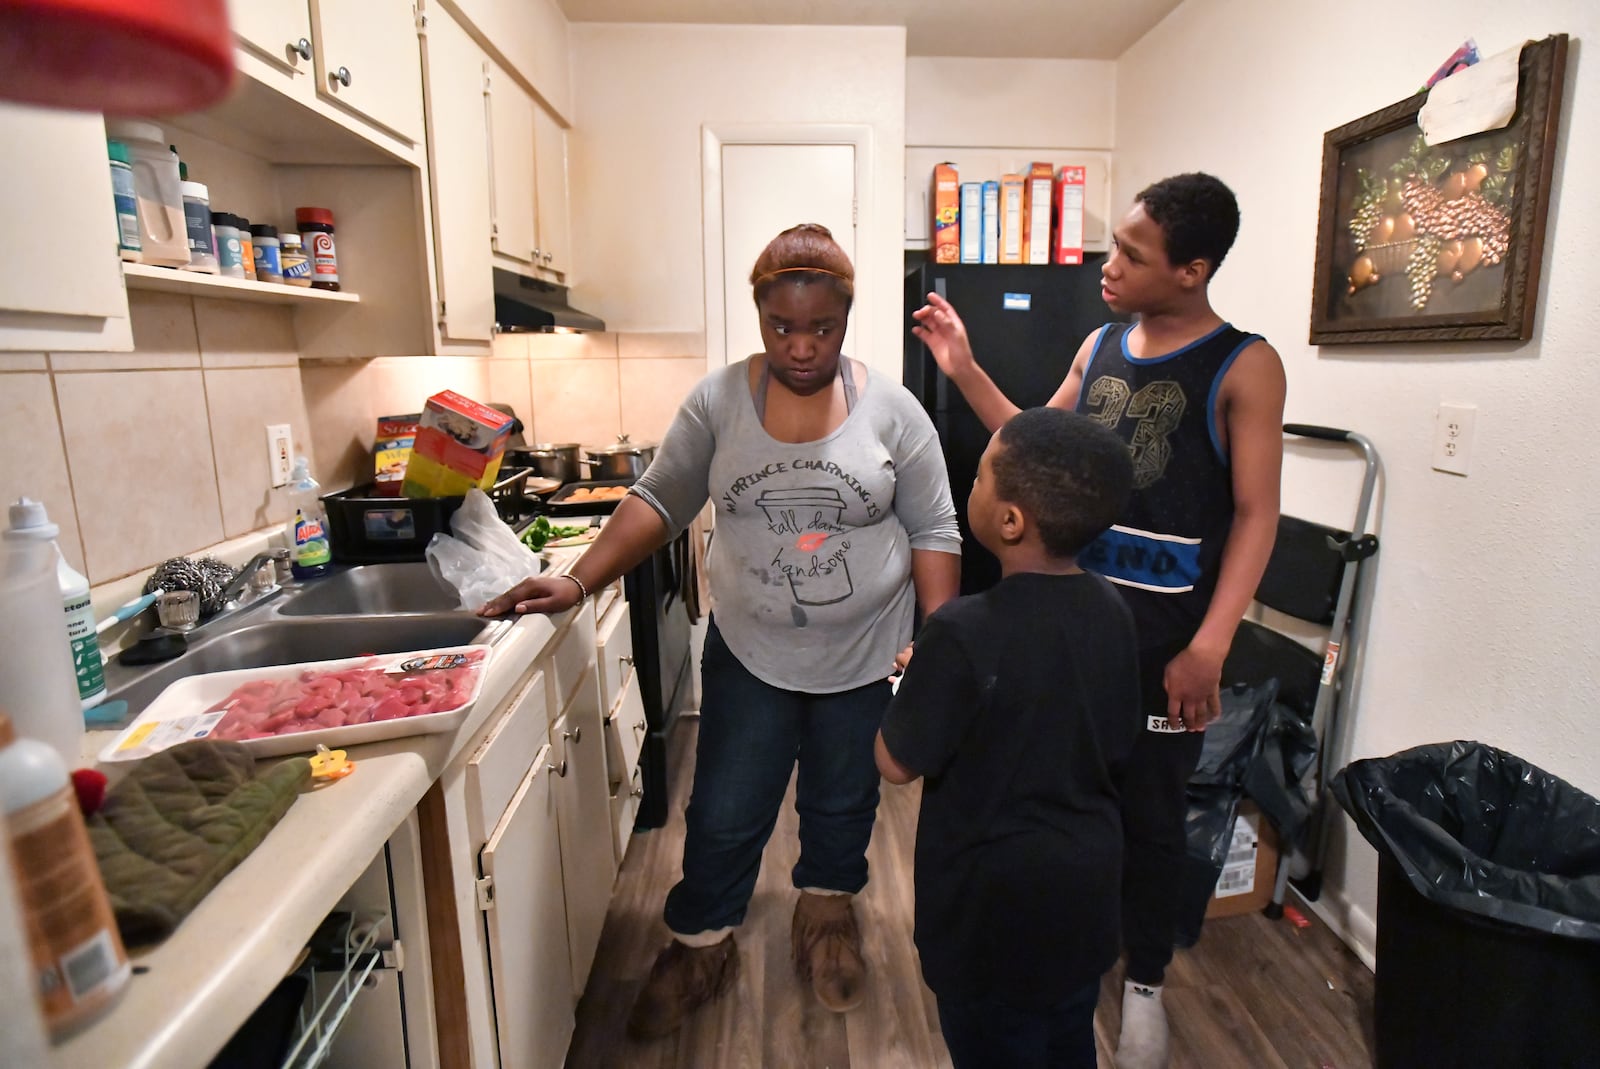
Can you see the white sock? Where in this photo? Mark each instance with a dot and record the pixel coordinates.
(1145, 1042)
(703, 939)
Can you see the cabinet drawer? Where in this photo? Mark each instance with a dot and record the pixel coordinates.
(573, 658)
(625, 731)
(505, 755)
(624, 810)
(615, 641)
(606, 598)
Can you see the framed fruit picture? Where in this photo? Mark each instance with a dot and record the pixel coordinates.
(1428, 243)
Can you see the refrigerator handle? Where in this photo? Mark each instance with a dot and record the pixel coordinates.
(941, 388)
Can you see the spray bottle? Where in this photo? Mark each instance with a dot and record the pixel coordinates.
(29, 522)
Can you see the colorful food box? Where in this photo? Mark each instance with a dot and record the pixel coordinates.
(391, 452)
(458, 446)
(971, 222)
(946, 215)
(1067, 244)
(1036, 209)
(1011, 219)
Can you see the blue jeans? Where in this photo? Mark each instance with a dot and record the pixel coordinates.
(751, 735)
(990, 1034)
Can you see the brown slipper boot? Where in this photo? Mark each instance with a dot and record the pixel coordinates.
(827, 950)
(683, 979)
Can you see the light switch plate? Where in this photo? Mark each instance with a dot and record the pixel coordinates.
(1452, 438)
(280, 452)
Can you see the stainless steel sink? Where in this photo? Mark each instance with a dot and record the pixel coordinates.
(372, 609)
(373, 588)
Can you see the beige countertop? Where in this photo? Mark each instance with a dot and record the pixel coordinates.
(191, 992)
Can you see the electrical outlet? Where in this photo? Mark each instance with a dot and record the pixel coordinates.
(1452, 437)
(280, 452)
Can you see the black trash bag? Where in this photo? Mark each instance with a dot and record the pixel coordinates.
(1232, 740)
(1484, 832)
(1278, 776)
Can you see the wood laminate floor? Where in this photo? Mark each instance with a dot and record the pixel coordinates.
(1252, 994)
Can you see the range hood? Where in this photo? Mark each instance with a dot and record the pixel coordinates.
(524, 304)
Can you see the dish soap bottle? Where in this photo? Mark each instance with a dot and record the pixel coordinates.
(30, 523)
(309, 552)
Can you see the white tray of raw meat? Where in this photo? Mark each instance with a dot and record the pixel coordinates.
(292, 708)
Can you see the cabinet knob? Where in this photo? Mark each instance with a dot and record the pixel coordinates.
(637, 792)
(536, 255)
(301, 48)
(547, 257)
(560, 770)
(576, 734)
(640, 726)
(626, 660)
(342, 76)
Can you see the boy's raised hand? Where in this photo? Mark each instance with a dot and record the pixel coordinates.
(942, 331)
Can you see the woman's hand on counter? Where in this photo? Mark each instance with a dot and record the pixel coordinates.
(543, 594)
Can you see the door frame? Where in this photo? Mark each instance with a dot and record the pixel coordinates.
(715, 135)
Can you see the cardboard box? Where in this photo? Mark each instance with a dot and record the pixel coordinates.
(971, 222)
(991, 223)
(1245, 885)
(391, 451)
(1067, 242)
(458, 446)
(1037, 197)
(946, 215)
(1011, 221)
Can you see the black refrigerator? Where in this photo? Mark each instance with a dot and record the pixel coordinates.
(1025, 323)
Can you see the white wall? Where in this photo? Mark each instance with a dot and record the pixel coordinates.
(1481, 622)
(1030, 103)
(642, 95)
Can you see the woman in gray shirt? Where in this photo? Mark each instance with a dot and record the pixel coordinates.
(834, 525)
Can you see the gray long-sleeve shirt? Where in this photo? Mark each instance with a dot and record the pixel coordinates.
(810, 568)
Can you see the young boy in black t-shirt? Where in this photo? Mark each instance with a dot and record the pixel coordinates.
(1019, 708)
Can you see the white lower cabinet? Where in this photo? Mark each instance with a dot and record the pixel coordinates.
(529, 963)
(583, 812)
(625, 731)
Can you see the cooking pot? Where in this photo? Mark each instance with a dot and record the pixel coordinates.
(621, 460)
(549, 460)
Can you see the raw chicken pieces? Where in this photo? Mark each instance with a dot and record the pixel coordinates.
(314, 700)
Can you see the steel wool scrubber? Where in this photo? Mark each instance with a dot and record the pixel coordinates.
(206, 576)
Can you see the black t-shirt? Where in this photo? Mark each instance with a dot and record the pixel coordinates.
(1019, 708)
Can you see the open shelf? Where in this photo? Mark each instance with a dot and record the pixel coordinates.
(197, 284)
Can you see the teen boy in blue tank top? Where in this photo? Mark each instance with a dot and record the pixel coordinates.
(1200, 405)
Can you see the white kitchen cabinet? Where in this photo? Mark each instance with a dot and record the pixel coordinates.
(530, 966)
(625, 731)
(458, 146)
(277, 34)
(550, 167)
(512, 174)
(528, 166)
(529, 37)
(367, 62)
(61, 278)
(583, 813)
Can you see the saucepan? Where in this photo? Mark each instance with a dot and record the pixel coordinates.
(623, 459)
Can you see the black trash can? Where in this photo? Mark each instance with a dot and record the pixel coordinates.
(1488, 908)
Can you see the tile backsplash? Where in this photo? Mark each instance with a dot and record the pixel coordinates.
(159, 452)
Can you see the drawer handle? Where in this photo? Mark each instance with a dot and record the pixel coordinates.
(301, 48)
(640, 726)
(560, 770)
(637, 792)
(576, 734)
(342, 76)
(626, 659)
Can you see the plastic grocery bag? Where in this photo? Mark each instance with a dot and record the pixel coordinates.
(1483, 831)
(484, 558)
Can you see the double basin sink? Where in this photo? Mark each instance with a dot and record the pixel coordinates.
(358, 611)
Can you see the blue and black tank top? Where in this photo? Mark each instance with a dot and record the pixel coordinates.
(1165, 553)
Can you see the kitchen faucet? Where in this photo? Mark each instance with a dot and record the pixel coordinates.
(237, 587)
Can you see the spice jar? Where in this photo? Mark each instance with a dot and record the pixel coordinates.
(247, 247)
(292, 257)
(269, 268)
(229, 248)
(316, 231)
(197, 222)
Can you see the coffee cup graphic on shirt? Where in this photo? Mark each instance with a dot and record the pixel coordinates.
(813, 560)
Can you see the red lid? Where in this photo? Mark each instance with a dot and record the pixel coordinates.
(313, 215)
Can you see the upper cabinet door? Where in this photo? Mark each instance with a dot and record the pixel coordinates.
(61, 283)
(555, 232)
(278, 32)
(458, 155)
(368, 63)
(512, 112)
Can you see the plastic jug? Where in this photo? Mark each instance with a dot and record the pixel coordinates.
(37, 685)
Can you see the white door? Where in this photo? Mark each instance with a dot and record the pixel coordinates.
(367, 56)
(550, 167)
(529, 964)
(512, 177)
(767, 188)
(274, 30)
(583, 811)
